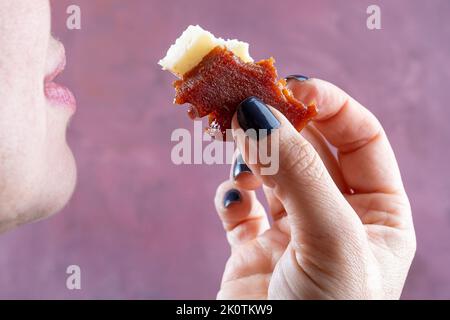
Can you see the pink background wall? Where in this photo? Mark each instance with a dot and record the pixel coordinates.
(141, 227)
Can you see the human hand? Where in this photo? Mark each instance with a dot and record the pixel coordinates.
(341, 228)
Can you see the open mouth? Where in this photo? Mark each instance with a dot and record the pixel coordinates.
(57, 93)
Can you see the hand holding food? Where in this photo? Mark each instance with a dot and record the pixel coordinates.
(341, 228)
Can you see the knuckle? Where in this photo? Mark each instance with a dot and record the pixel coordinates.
(300, 159)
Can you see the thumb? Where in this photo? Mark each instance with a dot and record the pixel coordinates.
(318, 213)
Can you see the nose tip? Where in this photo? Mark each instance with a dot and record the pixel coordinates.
(56, 56)
(56, 48)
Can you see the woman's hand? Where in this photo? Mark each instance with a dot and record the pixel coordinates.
(341, 228)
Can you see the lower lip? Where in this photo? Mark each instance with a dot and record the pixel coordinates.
(59, 95)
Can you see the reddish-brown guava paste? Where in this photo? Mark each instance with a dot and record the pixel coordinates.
(217, 85)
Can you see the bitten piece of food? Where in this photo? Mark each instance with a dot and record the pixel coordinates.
(216, 75)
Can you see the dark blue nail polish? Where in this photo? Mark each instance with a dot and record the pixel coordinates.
(297, 77)
(240, 167)
(252, 113)
(232, 196)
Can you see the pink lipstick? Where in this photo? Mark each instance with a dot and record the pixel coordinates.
(56, 93)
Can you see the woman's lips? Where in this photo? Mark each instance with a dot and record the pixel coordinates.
(56, 93)
(59, 94)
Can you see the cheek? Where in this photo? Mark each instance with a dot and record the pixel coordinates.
(24, 37)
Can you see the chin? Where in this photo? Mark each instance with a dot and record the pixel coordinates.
(58, 193)
(53, 194)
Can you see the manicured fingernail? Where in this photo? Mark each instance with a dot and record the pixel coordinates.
(252, 113)
(232, 196)
(297, 77)
(240, 167)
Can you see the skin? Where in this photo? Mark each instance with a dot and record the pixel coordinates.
(341, 226)
(37, 169)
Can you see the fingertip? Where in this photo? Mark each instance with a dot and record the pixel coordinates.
(231, 197)
(274, 128)
(255, 118)
(240, 212)
(305, 91)
(296, 77)
(242, 175)
(230, 200)
(239, 167)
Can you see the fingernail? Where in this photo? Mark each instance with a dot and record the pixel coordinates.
(232, 196)
(240, 166)
(252, 113)
(297, 77)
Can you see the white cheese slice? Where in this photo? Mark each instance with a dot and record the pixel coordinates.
(194, 44)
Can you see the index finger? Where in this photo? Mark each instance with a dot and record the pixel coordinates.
(366, 157)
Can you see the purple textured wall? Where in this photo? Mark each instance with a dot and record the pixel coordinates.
(141, 227)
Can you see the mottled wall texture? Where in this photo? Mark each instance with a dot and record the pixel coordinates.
(140, 226)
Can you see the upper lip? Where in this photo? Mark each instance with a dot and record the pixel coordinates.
(58, 69)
